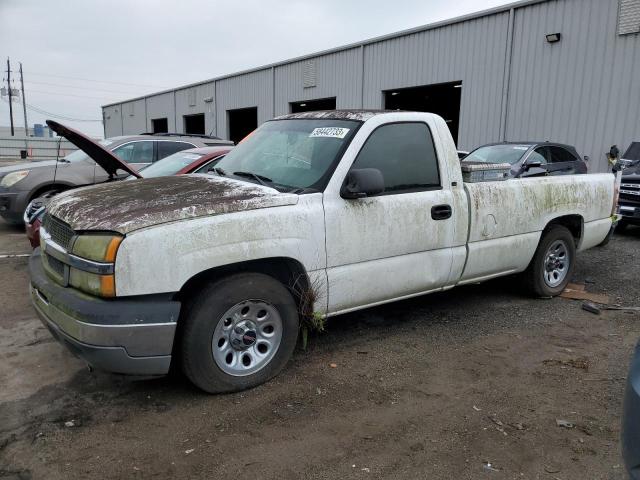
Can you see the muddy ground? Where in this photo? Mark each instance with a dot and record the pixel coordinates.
(436, 387)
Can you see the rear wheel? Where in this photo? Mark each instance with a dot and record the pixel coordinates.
(553, 263)
(238, 332)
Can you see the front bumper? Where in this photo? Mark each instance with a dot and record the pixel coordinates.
(631, 418)
(630, 213)
(130, 336)
(12, 205)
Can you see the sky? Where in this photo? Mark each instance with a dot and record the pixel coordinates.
(80, 54)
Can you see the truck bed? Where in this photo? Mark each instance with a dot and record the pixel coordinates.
(506, 218)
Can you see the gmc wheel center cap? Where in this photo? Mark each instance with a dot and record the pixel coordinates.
(243, 335)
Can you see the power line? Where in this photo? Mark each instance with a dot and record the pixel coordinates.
(71, 95)
(96, 81)
(81, 88)
(55, 115)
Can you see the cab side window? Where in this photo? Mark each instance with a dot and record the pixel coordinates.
(405, 155)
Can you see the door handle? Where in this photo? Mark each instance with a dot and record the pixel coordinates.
(441, 212)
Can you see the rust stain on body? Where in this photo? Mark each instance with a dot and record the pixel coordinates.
(130, 205)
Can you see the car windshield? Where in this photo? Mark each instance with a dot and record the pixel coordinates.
(79, 155)
(497, 154)
(289, 154)
(170, 165)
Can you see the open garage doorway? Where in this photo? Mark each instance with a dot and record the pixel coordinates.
(313, 105)
(194, 124)
(159, 125)
(442, 99)
(242, 122)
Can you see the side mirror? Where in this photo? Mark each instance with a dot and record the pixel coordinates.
(532, 164)
(362, 182)
(586, 158)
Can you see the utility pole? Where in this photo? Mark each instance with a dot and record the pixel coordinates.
(10, 98)
(24, 103)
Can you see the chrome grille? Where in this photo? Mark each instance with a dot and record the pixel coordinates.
(60, 232)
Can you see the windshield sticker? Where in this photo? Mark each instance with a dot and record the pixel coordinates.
(329, 132)
(190, 156)
(521, 148)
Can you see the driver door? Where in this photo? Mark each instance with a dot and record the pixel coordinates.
(398, 243)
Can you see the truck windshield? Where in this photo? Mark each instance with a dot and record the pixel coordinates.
(497, 154)
(290, 154)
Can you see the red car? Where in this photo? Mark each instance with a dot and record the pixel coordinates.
(194, 160)
(186, 161)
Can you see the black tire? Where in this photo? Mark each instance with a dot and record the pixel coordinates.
(208, 307)
(621, 226)
(534, 276)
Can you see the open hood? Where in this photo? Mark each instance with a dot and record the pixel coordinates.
(103, 157)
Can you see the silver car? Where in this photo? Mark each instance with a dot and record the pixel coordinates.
(21, 183)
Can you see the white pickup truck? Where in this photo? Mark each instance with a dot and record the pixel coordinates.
(314, 214)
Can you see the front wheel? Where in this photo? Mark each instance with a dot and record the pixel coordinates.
(238, 332)
(552, 266)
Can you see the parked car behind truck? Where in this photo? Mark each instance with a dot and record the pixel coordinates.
(317, 213)
(21, 183)
(180, 163)
(629, 203)
(529, 159)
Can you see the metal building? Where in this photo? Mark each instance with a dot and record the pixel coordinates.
(561, 70)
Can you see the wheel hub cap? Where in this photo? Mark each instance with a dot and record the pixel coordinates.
(243, 335)
(556, 263)
(246, 337)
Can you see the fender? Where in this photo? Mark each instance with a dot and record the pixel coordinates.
(200, 244)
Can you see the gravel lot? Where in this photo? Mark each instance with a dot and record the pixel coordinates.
(436, 387)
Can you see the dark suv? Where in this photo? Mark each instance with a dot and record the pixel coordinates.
(529, 159)
(629, 201)
(21, 183)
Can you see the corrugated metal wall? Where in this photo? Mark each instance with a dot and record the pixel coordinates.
(337, 75)
(112, 121)
(161, 106)
(134, 117)
(472, 51)
(583, 90)
(191, 101)
(249, 90)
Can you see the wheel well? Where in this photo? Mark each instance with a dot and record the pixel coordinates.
(573, 223)
(51, 186)
(288, 271)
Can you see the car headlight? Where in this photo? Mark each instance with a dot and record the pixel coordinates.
(13, 178)
(96, 248)
(99, 248)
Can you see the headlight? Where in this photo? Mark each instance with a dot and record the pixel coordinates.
(13, 178)
(97, 248)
